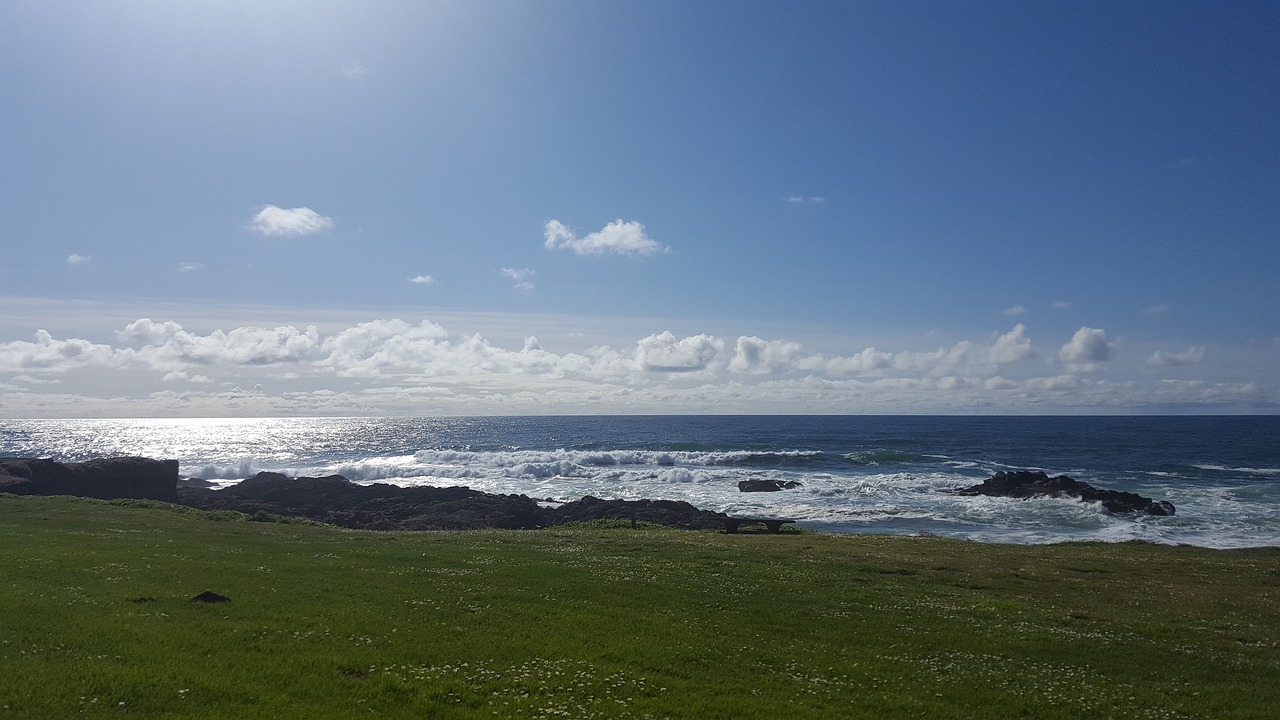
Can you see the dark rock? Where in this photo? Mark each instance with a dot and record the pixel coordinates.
(338, 501)
(208, 596)
(1026, 484)
(106, 479)
(767, 485)
(143, 600)
(671, 513)
(334, 499)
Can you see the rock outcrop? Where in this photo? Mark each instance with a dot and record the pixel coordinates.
(671, 513)
(338, 501)
(105, 479)
(1028, 484)
(334, 499)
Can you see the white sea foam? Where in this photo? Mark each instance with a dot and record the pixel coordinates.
(1245, 470)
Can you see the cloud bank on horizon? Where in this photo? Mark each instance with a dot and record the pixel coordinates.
(394, 366)
(819, 207)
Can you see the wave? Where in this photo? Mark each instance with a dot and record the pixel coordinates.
(1244, 470)
(238, 470)
(566, 461)
(889, 457)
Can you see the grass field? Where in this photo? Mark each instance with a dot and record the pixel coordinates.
(96, 620)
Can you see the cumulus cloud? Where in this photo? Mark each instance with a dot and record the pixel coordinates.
(754, 356)
(664, 353)
(1011, 347)
(381, 344)
(168, 347)
(870, 361)
(49, 354)
(1086, 350)
(422, 279)
(145, 331)
(273, 221)
(245, 346)
(77, 259)
(618, 237)
(1192, 356)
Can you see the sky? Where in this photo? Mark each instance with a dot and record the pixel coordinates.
(448, 207)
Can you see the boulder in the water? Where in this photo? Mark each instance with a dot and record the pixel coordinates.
(1025, 484)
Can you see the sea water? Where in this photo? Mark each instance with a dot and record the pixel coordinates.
(857, 474)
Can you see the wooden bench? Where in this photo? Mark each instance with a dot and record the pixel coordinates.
(773, 525)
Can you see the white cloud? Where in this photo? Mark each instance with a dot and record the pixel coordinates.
(77, 259)
(800, 200)
(241, 346)
(365, 349)
(189, 267)
(394, 366)
(1015, 311)
(1157, 310)
(422, 279)
(184, 376)
(147, 332)
(1060, 305)
(48, 354)
(1011, 347)
(1192, 356)
(521, 276)
(274, 221)
(870, 361)
(618, 237)
(754, 356)
(664, 353)
(1086, 350)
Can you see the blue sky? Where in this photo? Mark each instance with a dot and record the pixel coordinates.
(571, 207)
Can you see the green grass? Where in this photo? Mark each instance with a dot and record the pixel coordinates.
(602, 620)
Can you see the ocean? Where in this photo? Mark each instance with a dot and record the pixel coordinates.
(857, 474)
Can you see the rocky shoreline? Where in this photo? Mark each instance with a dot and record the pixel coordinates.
(334, 499)
(338, 501)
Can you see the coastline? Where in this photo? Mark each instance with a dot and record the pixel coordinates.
(337, 500)
(861, 475)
